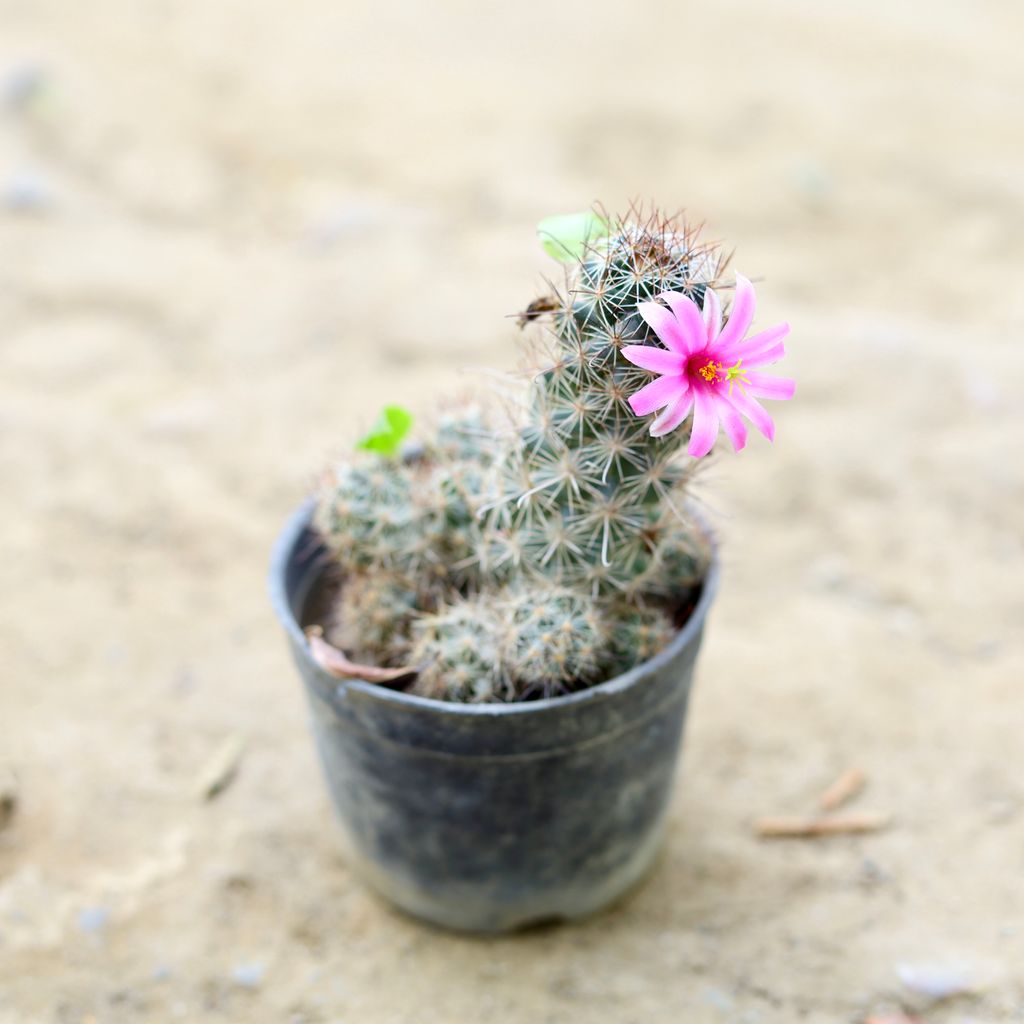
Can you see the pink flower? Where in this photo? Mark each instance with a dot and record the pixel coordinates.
(706, 367)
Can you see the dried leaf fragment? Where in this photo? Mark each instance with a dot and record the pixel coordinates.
(335, 663)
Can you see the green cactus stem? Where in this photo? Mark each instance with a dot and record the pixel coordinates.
(584, 493)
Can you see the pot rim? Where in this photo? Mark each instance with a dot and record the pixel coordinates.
(284, 550)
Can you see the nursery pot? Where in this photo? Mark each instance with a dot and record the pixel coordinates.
(490, 817)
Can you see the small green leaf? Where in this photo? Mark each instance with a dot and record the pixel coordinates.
(386, 435)
(565, 237)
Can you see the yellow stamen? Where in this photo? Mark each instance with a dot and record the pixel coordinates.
(710, 371)
(734, 375)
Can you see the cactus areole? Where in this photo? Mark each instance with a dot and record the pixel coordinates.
(507, 612)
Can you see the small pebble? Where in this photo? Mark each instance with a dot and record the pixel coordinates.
(871, 873)
(22, 86)
(718, 999)
(93, 919)
(935, 981)
(27, 191)
(341, 224)
(812, 181)
(248, 975)
(903, 619)
(982, 390)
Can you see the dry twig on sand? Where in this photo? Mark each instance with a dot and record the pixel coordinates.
(8, 796)
(782, 827)
(219, 772)
(843, 790)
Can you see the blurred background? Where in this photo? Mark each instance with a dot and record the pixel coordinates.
(229, 232)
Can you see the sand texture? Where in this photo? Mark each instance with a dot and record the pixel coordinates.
(229, 231)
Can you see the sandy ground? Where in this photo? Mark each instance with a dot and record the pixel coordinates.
(231, 230)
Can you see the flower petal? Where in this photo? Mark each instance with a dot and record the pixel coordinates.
(733, 425)
(704, 431)
(757, 414)
(752, 348)
(664, 325)
(661, 391)
(740, 315)
(763, 356)
(673, 415)
(712, 314)
(764, 385)
(656, 359)
(691, 324)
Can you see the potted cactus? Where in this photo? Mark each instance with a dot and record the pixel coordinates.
(497, 620)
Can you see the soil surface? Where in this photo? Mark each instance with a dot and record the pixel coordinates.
(231, 231)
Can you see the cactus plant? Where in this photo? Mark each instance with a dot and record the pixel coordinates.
(529, 559)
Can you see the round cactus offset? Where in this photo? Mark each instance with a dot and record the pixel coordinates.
(638, 634)
(371, 620)
(458, 653)
(557, 642)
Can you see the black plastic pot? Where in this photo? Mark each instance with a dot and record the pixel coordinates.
(489, 817)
